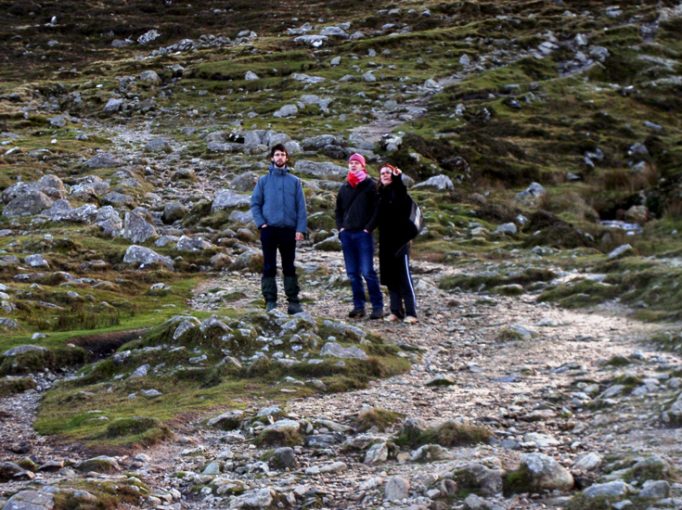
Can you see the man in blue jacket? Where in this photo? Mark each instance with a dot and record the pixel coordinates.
(278, 208)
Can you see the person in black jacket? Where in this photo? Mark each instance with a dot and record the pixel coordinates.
(356, 214)
(394, 244)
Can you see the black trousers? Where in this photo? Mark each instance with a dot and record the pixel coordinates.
(284, 240)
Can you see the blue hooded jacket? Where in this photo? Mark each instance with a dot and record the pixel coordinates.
(278, 200)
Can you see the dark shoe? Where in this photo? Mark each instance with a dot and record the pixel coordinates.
(356, 313)
(377, 314)
(291, 289)
(294, 308)
(268, 286)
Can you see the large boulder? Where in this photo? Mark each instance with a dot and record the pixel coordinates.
(136, 228)
(142, 258)
(228, 199)
(27, 204)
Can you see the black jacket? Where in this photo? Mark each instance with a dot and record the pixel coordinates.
(356, 208)
(394, 232)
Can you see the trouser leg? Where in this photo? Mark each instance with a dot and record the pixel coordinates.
(407, 286)
(352, 263)
(366, 253)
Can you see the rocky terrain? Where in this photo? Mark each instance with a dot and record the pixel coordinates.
(137, 366)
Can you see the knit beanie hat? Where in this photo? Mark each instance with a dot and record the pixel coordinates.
(359, 158)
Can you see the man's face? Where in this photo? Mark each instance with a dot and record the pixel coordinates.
(279, 158)
(354, 166)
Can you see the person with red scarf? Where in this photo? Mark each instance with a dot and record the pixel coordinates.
(356, 218)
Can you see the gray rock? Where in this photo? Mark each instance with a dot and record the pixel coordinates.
(396, 488)
(320, 141)
(52, 186)
(546, 473)
(223, 147)
(136, 228)
(102, 160)
(28, 204)
(588, 462)
(655, 489)
(312, 99)
(229, 420)
(228, 199)
(141, 371)
(173, 211)
(36, 260)
(480, 478)
(288, 110)
(304, 78)
(109, 221)
(256, 498)
(142, 258)
(284, 458)
(620, 251)
(158, 145)
(88, 187)
(376, 454)
(439, 182)
(114, 105)
(149, 36)
(338, 351)
(506, 229)
(30, 500)
(100, 464)
(430, 453)
(610, 489)
(150, 76)
(185, 329)
(673, 415)
(315, 41)
(193, 244)
(8, 324)
(531, 194)
(10, 471)
(321, 170)
(244, 182)
(152, 393)
(369, 77)
(333, 31)
(251, 76)
(58, 121)
(20, 349)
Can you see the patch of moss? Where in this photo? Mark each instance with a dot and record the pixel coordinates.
(58, 358)
(376, 417)
(448, 434)
(11, 385)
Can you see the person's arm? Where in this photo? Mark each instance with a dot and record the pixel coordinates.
(301, 213)
(372, 197)
(257, 198)
(339, 211)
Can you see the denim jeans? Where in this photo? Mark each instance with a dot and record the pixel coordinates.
(284, 240)
(358, 255)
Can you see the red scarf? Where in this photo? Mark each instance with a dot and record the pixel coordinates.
(355, 178)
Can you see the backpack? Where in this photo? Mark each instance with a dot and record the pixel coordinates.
(416, 220)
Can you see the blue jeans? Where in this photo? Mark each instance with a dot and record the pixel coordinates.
(358, 255)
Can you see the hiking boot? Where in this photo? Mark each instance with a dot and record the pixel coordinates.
(356, 313)
(377, 313)
(268, 286)
(291, 289)
(294, 308)
(392, 318)
(410, 319)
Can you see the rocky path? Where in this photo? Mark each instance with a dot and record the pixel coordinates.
(528, 389)
(538, 376)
